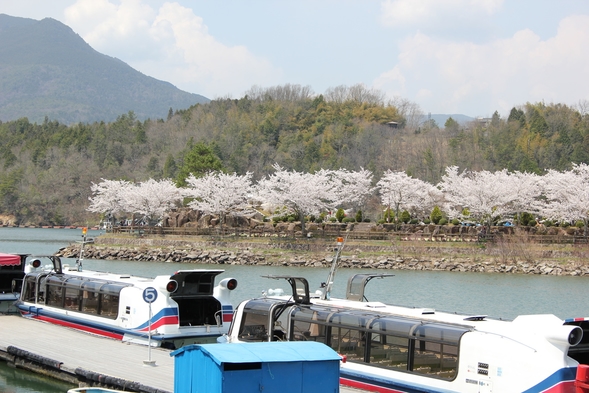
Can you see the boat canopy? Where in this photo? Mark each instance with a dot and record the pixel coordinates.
(357, 284)
(378, 323)
(83, 283)
(9, 260)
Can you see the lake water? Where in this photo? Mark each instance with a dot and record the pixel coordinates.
(497, 295)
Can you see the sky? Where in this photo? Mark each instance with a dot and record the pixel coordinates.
(470, 57)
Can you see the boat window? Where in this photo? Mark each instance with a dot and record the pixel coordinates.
(256, 319)
(309, 324)
(72, 299)
(308, 331)
(441, 333)
(349, 342)
(389, 351)
(30, 289)
(400, 327)
(435, 359)
(55, 280)
(351, 319)
(90, 302)
(253, 327)
(109, 305)
(424, 348)
(54, 296)
(74, 282)
(312, 314)
(113, 288)
(93, 286)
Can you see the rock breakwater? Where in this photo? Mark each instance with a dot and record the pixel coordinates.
(388, 258)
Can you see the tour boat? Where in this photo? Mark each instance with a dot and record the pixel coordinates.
(169, 311)
(386, 348)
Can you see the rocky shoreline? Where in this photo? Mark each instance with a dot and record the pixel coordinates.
(488, 260)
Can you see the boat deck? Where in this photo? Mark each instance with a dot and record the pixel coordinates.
(77, 350)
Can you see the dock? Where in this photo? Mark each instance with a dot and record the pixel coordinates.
(82, 358)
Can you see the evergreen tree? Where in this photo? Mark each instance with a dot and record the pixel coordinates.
(198, 161)
(170, 168)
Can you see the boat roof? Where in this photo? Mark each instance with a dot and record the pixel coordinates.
(9, 260)
(137, 281)
(286, 351)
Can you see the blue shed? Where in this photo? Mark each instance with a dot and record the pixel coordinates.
(284, 367)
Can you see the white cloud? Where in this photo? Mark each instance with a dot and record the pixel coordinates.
(171, 44)
(496, 75)
(404, 13)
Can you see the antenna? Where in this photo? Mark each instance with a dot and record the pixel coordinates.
(79, 260)
(329, 284)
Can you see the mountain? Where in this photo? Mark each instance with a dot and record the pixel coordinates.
(48, 70)
(441, 119)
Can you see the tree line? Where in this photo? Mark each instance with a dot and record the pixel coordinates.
(48, 168)
(559, 198)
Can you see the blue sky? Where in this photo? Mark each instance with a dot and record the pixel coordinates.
(469, 57)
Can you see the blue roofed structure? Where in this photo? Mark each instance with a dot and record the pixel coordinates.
(285, 367)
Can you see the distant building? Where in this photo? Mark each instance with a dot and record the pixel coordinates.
(393, 124)
(484, 121)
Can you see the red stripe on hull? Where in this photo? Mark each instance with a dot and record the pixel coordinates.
(562, 387)
(227, 317)
(83, 328)
(171, 320)
(367, 386)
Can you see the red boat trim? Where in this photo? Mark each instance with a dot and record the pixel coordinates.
(77, 326)
(169, 320)
(368, 386)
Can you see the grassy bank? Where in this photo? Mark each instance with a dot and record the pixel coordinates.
(510, 250)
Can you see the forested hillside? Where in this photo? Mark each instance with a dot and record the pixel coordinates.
(48, 70)
(47, 168)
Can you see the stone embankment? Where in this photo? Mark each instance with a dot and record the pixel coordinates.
(303, 255)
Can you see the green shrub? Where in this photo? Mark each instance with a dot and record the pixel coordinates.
(580, 224)
(455, 221)
(405, 216)
(442, 221)
(427, 221)
(381, 221)
(319, 220)
(565, 224)
(332, 219)
(436, 215)
(359, 216)
(414, 221)
(348, 219)
(340, 214)
(367, 220)
(525, 218)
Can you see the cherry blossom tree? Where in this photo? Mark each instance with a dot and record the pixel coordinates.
(352, 187)
(301, 193)
(485, 194)
(108, 197)
(219, 193)
(527, 190)
(151, 198)
(567, 194)
(401, 191)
